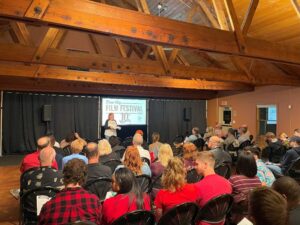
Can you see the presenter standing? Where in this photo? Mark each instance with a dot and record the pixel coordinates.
(111, 126)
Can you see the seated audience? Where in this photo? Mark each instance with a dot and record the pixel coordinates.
(194, 136)
(115, 143)
(243, 135)
(65, 143)
(76, 148)
(208, 133)
(242, 184)
(275, 148)
(106, 152)
(137, 142)
(290, 190)
(73, 203)
(189, 153)
(154, 147)
(231, 142)
(43, 176)
(59, 152)
(267, 207)
(32, 160)
(144, 144)
(129, 197)
(94, 168)
(165, 153)
(289, 157)
(297, 132)
(220, 155)
(284, 139)
(264, 174)
(133, 161)
(212, 185)
(178, 146)
(176, 191)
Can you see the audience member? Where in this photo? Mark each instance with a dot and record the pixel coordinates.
(137, 142)
(275, 149)
(289, 157)
(59, 152)
(284, 139)
(264, 174)
(129, 197)
(43, 176)
(106, 152)
(178, 146)
(76, 148)
(243, 135)
(297, 132)
(290, 190)
(242, 184)
(115, 143)
(165, 153)
(220, 155)
(133, 161)
(73, 203)
(194, 136)
(189, 153)
(94, 168)
(176, 190)
(32, 160)
(209, 133)
(231, 142)
(212, 185)
(267, 207)
(68, 140)
(154, 147)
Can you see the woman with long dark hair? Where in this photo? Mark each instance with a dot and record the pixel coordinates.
(129, 197)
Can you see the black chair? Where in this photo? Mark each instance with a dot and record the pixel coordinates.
(27, 172)
(156, 182)
(138, 217)
(192, 176)
(28, 203)
(216, 210)
(99, 187)
(146, 160)
(184, 214)
(145, 182)
(127, 142)
(120, 151)
(112, 163)
(224, 170)
(294, 170)
(82, 223)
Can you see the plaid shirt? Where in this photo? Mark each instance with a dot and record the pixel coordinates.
(71, 205)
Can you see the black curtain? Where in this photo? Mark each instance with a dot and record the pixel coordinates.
(23, 125)
(167, 117)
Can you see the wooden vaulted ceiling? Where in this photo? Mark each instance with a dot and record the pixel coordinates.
(183, 49)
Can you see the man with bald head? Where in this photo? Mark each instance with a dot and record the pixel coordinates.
(94, 168)
(221, 157)
(32, 160)
(43, 176)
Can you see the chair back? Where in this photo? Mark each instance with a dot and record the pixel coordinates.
(215, 210)
(145, 182)
(99, 187)
(294, 170)
(224, 170)
(112, 164)
(120, 152)
(184, 214)
(28, 203)
(192, 176)
(82, 223)
(156, 182)
(138, 217)
(245, 144)
(22, 178)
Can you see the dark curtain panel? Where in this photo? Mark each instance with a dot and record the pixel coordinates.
(23, 125)
(167, 117)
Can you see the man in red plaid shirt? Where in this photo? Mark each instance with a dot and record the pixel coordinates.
(73, 203)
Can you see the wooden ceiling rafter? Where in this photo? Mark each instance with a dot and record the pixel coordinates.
(29, 71)
(19, 33)
(249, 16)
(296, 6)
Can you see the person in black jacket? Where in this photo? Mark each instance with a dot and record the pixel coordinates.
(275, 149)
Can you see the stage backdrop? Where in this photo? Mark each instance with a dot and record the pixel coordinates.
(22, 118)
(167, 117)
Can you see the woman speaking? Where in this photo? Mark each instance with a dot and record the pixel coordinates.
(111, 126)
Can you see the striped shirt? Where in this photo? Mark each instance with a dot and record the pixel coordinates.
(241, 185)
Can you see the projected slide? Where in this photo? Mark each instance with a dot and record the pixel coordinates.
(126, 111)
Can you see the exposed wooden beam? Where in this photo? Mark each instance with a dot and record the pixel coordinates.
(101, 18)
(147, 52)
(173, 55)
(220, 12)
(208, 13)
(296, 6)
(19, 70)
(235, 25)
(249, 16)
(20, 33)
(95, 44)
(58, 86)
(121, 48)
(59, 57)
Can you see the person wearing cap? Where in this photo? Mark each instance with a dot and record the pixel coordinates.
(289, 157)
